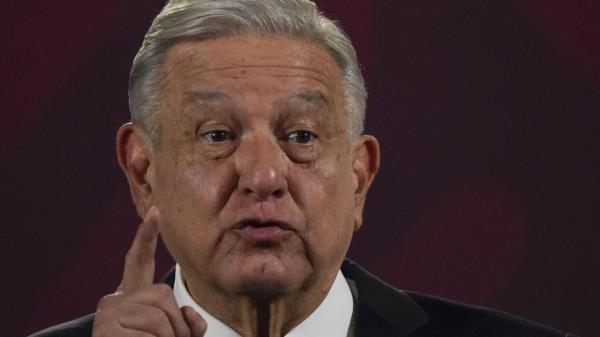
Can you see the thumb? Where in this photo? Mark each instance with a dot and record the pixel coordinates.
(196, 323)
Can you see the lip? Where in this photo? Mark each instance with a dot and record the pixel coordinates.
(256, 232)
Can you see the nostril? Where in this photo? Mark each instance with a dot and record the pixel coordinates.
(262, 184)
(263, 195)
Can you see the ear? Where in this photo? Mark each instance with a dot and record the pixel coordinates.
(134, 154)
(365, 165)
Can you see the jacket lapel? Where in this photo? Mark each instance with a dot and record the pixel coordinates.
(382, 310)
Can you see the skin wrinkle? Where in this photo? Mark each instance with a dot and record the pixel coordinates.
(198, 57)
(217, 102)
(199, 52)
(291, 61)
(275, 85)
(309, 101)
(243, 70)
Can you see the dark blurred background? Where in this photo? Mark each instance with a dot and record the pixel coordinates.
(487, 113)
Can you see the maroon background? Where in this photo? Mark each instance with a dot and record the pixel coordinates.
(487, 112)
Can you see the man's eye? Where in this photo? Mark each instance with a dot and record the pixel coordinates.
(301, 136)
(217, 136)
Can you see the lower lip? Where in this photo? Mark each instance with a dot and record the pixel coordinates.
(267, 233)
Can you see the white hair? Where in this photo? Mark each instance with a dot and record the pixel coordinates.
(207, 19)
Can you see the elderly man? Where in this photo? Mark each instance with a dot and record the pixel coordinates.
(246, 154)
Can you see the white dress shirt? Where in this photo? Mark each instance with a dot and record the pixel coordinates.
(332, 317)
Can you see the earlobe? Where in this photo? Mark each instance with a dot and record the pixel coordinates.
(365, 165)
(134, 156)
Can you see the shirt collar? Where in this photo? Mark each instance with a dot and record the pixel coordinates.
(331, 318)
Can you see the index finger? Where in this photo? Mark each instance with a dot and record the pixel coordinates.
(139, 261)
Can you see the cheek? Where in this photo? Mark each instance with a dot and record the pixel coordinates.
(199, 186)
(190, 196)
(194, 187)
(325, 196)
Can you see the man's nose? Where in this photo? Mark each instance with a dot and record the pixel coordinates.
(262, 167)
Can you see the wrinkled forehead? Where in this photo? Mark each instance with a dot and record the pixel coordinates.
(252, 55)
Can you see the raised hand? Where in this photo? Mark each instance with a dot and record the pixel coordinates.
(140, 307)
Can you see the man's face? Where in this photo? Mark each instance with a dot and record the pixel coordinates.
(254, 175)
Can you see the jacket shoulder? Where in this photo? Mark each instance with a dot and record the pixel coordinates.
(394, 312)
(81, 327)
(453, 318)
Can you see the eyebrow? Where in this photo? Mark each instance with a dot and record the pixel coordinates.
(314, 98)
(206, 96)
(209, 99)
(209, 96)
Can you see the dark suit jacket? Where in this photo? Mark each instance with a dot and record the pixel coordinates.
(384, 311)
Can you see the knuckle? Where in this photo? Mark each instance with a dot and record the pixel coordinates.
(105, 319)
(162, 326)
(107, 300)
(158, 317)
(101, 316)
(102, 331)
(163, 290)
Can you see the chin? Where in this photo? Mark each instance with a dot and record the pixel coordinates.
(267, 275)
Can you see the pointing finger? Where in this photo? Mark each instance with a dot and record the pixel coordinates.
(139, 262)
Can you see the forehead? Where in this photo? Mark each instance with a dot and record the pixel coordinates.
(250, 62)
